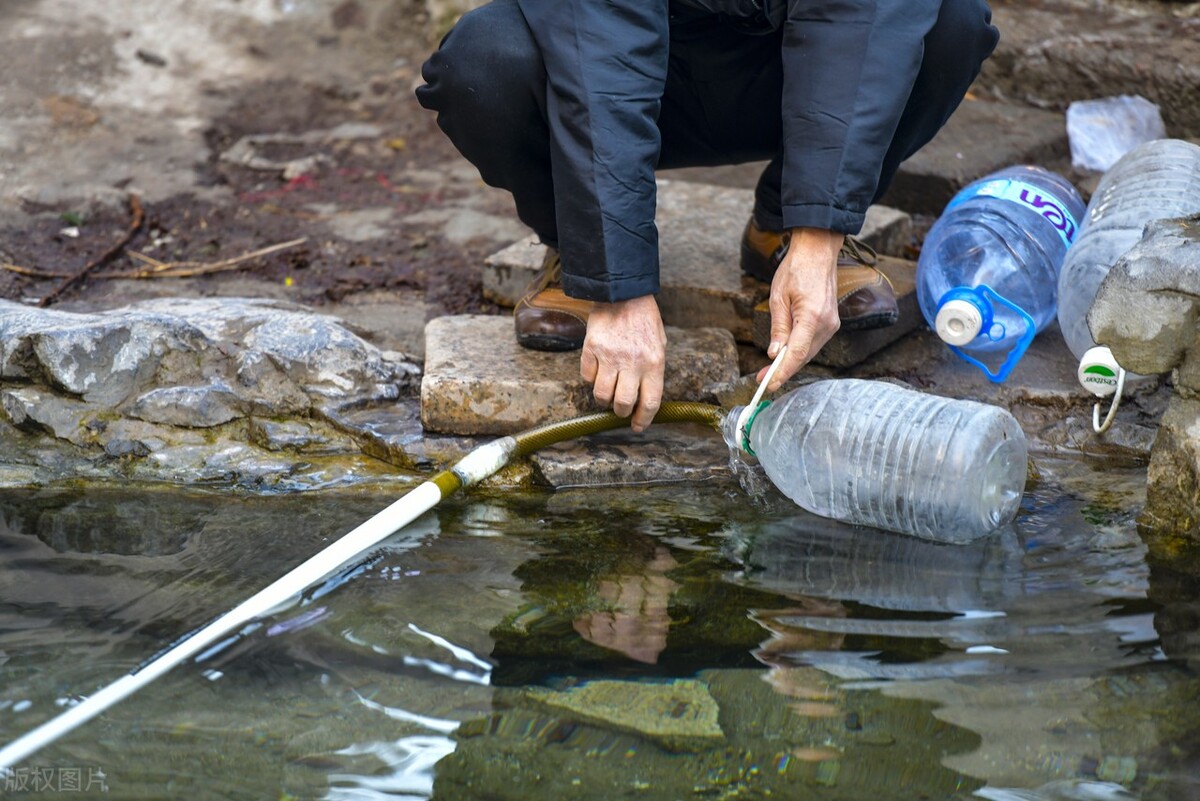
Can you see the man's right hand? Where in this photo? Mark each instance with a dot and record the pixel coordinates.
(803, 303)
(624, 355)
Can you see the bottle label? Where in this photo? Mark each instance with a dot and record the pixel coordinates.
(1051, 209)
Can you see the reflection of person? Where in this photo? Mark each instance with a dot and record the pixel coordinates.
(636, 623)
(572, 104)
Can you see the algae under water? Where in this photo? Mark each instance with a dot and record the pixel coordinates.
(650, 642)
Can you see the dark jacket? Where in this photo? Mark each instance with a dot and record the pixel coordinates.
(848, 66)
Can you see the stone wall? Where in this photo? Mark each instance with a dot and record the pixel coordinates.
(242, 391)
(1146, 312)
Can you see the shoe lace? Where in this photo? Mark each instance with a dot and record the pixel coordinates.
(551, 272)
(857, 250)
(549, 275)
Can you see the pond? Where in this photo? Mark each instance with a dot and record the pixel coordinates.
(653, 642)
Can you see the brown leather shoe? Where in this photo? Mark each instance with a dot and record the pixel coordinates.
(545, 318)
(865, 296)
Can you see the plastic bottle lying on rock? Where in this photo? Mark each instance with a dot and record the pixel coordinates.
(1153, 181)
(876, 454)
(988, 268)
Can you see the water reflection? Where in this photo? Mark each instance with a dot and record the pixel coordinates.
(656, 643)
(1028, 599)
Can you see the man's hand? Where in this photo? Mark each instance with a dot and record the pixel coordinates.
(803, 301)
(623, 357)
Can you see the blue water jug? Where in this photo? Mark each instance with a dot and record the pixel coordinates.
(988, 271)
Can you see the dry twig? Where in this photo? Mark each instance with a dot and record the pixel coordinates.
(138, 215)
(189, 269)
(163, 269)
(32, 273)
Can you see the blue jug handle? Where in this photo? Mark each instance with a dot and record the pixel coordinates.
(1018, 350)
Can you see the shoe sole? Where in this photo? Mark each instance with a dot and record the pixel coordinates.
(870, 321)
(548, 343)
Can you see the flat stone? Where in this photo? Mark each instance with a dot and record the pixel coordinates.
(848, 348)
(479, 381)
(1042, 393)
(700, 230)
(679, 715)
(980, 138)
(887, 230)
(662, 454)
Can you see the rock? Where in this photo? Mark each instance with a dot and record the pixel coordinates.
(1170, 521)
(314, 351)
(887, 230)
(393, 433)
(297, 435)
(99, 357)
(1145, 310)
(663, 454)
(680, 715)
(191, 407)
(479, 381)
(32, 410)
(122, 393)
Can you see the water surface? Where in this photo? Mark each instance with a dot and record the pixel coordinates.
(648, 642)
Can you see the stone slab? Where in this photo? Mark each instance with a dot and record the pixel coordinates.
(700, 229)
(479, 381)
(848, 348)
(663, 454)
(981, 137)
(680, 715)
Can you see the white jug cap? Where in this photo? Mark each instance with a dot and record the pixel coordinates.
(1098, 371)
(958, 322)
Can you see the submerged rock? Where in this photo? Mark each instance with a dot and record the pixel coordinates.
(678, 715)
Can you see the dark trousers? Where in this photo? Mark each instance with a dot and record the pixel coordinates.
(721, 104)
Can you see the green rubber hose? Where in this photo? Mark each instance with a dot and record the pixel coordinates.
(533, 439)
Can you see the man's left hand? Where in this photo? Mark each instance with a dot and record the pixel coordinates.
(624, 356)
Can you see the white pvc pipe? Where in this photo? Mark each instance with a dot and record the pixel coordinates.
(405, 510)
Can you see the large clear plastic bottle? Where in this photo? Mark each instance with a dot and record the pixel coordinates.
(988, 268)
(876, 454)
(1153, 181)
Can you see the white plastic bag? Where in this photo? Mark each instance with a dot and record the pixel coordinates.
(1101, 131)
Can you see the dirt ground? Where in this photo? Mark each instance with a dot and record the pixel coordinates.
(107, 104)
(254, 208)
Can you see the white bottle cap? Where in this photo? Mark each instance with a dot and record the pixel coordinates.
(1098, 371)
(958, 322)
